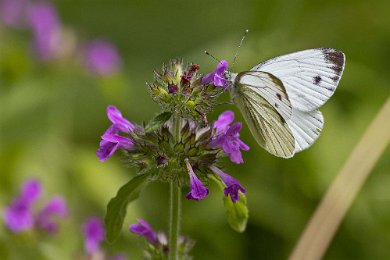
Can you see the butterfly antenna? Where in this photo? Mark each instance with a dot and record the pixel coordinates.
(209, 54)
(239, 46)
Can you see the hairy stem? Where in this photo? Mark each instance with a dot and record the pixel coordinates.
(175, 203)
(174, 225)
(339, 197)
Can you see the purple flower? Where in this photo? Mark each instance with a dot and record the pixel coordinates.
(119, 122)
(93, 234)
(217, 76)
(56, 207)
(228, 137)
(144, 229)
(111, 141)
(18, 216)
(233, 186)
(198, 190)
(102, 57)
(45, 25)
(12, 12)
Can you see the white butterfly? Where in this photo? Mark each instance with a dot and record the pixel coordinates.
(280, 98)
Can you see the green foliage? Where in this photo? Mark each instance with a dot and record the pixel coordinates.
(157, 121)
(237, 213)
(117, 207)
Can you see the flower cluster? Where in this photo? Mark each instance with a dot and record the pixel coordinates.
(20, 215)
(52, 40)
(158, 247)
(193, 158)
(197, 151)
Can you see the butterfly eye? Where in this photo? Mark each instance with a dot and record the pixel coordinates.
(227, 75)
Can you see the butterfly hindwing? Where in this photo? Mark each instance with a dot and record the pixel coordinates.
(310, 76)
(306, 127)
(266, 124)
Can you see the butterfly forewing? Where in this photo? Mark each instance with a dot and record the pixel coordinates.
(267, 125)
(306, 127)
(269, 87)
(310, 76)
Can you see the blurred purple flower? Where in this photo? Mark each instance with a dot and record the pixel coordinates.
(228, 137)
(144, 229)
(93, 234)
(198, 190)
(111, 141)
(217, 77)
(233, 186)
(12, 12)
(18, 216)
(45, 218)
(102, 57)
(45, 25)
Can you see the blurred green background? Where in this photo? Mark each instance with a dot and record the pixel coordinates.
(52, 115)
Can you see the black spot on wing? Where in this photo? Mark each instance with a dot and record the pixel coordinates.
(317, 80)
(276, 105)
(279, 96)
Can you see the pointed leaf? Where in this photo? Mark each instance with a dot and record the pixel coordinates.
(116, 208)
(237, 213)
(158, 121)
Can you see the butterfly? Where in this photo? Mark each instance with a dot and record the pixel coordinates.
(280, 98)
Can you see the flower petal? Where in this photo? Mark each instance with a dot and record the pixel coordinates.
(198, 190)
(123, 142)
(116, 118)
(106, 150)
(217, 76)
(223, 121)
(144, 229)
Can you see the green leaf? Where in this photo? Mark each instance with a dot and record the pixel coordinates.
(158, 121)
(117, 207)
(237, 213)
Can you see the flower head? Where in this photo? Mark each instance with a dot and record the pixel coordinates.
(233, 186)
(228, 137)
(102, 57)
(56, 207)
(93, 234)
(198, 190)
(45, 25)
(144, 229)
(19, 216)
(217, 76)
(179, 89)
(111, 141)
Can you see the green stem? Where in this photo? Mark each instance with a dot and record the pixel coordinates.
(175, 204)
(174, 220)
